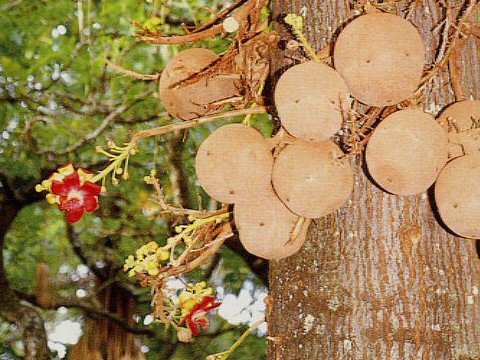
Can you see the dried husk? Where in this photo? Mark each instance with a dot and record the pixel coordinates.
(461, 122)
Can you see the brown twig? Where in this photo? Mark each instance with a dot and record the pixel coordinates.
(179, 211)
(204, 235)
(210, 250)
(201, 120)
(455, 39)
(247, 59)
(130, 73)
(241, 14)
(219, 16)
(361, 135)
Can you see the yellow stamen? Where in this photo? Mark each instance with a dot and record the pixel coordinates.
(66, 170)
(52, 199)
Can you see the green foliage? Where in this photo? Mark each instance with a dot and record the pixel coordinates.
(253, 348)
(56, 90)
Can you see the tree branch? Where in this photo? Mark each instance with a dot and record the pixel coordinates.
(89, 310)
(7, 189)
(78, 249)
(131, 74)
(178, 179)
(106, 122)
(198, 121)
(240, 13)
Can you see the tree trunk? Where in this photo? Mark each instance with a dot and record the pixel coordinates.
(105, 339)
(379, 279)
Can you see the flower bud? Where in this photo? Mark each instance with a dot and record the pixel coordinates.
(51, 199)
(163, 254)
(184, 334)
(153, 271)
(230, 24)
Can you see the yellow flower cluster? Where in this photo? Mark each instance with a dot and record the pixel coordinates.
(147, 259)
(192, 295)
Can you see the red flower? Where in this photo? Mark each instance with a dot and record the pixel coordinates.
(196, 317)
(76, 196)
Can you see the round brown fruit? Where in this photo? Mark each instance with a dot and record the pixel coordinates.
(309, 99)
(457, 196)
(191, 101)
(268, 229)
(234, 162)
(312, 179)
(406, 152)
(461, 121)
(381, 58)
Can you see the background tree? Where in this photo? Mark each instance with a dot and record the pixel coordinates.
(381, 279)
(58, 101)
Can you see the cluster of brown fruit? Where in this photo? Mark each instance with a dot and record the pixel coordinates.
(409, 150)
(457, 194)
(379, 60)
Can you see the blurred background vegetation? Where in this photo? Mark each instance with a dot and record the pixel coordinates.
(58, 101)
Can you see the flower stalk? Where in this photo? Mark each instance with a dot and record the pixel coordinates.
(296, 22)
(119, 157)
(224, 355)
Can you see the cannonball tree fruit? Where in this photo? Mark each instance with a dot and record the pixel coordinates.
(461, 120)
(406, 152)
(234, 162)
(310, 98)
(457, 196)
(267, 228)
(381, 58)
(191, 101)
(312, 179)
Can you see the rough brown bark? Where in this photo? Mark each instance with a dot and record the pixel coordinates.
(379, 279)
(106, 339)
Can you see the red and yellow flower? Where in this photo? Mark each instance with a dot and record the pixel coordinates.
(195, 302)
(72, 190)
(196, 318)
